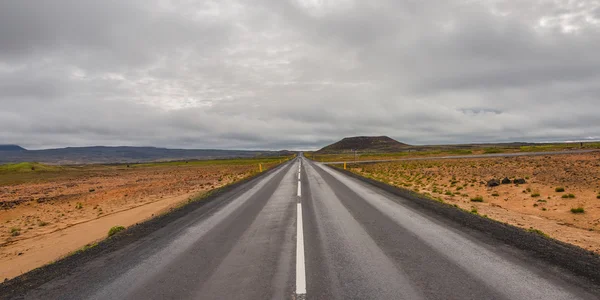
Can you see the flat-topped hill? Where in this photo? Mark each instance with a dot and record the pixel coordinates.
(366, 143)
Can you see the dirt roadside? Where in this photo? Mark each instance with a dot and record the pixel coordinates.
(58, 213)
(554, 185)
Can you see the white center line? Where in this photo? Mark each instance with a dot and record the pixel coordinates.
(300, 271)
(299, 188)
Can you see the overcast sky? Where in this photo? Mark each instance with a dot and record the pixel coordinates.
(294, 74)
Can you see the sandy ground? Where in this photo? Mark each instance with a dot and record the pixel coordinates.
(56, 215)
(535, 204)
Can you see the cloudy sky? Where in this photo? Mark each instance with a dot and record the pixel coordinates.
(295, 74)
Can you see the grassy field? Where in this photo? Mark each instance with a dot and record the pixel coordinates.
(433, 151)
(32, 172)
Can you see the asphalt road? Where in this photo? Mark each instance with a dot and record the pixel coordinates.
(305, 231)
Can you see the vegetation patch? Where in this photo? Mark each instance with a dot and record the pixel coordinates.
(114, 230)
(28, 167)
(477, 199)
(15, 231)
(537, 231)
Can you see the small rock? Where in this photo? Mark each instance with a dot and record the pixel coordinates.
(505, 180)
(20, 253)
(519, 181)
(493, 183)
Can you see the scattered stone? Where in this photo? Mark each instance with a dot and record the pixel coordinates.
(505, 180)
(519, 181)
(493, 183)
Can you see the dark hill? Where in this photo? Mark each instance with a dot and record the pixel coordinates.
(366, 143)
(11, 148)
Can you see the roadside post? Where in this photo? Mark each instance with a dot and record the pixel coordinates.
(344, 165)
(260, 167)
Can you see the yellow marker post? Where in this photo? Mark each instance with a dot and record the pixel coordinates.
(260, 167)
(344, 165)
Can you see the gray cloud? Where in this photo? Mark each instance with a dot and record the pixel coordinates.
(296, 73)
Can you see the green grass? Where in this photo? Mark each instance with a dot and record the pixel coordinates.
(114, 230)
(85, 248)
(449, 150)
(568, 196)
(577, 210)
(28, 167)
(559, 189)
(238, 161)
(460, 152)
(492, 150)
(552, 147)
(12, 174)
(495, 194)
(477, 199)
(537, 231)
(535, 195)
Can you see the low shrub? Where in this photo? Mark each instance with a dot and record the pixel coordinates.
(114, 230)
(15, 231)
(477, 199)
(577, 210)
(537, 231)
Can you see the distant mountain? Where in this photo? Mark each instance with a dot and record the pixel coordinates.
(101, 154)
(11, 148)
(366, 144)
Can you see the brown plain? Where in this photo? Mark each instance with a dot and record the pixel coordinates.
(519, 205)
(55, 213)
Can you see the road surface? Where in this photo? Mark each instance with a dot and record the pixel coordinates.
(306, 231)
